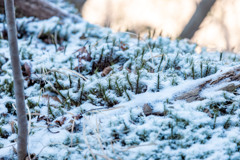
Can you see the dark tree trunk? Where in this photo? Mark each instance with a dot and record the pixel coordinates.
(201, 12)
(18, 81)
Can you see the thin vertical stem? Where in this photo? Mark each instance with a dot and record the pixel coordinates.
(18, 80)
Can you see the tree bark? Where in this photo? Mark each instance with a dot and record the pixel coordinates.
(201, 12)
(226, 79)
(18, 80)
(41, 9)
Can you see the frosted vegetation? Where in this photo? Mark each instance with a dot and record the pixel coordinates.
(86, 88)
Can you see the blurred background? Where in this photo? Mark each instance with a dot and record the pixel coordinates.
(214, 24)
(219, 30)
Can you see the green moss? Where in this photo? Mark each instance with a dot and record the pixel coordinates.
(9, 106)
(31, 104)
(3, 133)
(143, 135)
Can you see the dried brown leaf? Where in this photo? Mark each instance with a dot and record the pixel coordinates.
(83, 54)
(77, 117)
(147, 110)
(129, 71)
(61, 122)
(12, 123)
(106, 71)
(26, 69)
(120, 68)
(159, 114)
(55, 98)
(61, 48)
(83, 36)
(39, 118)
(123, 46)
(208, 112)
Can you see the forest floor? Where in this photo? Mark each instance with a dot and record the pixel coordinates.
(95, 94)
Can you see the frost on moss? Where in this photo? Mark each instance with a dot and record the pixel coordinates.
(82, 113)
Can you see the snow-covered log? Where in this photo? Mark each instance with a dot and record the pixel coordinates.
(226, 81)
(41, 9)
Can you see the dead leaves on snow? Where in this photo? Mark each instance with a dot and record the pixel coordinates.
(106, 71)
(54, 98)
(147, 110)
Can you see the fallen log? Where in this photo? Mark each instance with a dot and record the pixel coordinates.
(226, 79)
(41, 9)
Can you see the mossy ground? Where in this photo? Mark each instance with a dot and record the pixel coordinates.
(77, 112)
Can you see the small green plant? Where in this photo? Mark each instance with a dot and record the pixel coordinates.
(81, 94)
(234, 59)
(215, 69)
(57, 35)
(70, 81)
(174, 82)
(158, 82)
(216, 114)
(143, 135)
(57, 85)
(129, 82)
(221, 55)
(172, 133)
(115, 135)
(109, 83)
(125, 129)
(50, 111)
(159, 67)
(227, 124)
(201, 69)
(126, 92)
(31, 103)
(165, 111)
(117, 86)
(233, 109)
(193, 71)
(137, 82)
(208, 70)
(78, 84)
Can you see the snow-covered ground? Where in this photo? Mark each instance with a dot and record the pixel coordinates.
(79, 110)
